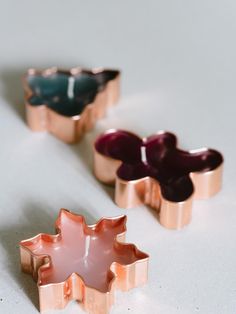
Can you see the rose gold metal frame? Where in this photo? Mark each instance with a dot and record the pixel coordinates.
(57, 295)
(129, 194)
(69, 129)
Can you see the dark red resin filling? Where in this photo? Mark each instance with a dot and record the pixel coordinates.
(163, 161)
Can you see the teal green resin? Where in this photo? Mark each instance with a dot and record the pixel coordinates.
(52, 91)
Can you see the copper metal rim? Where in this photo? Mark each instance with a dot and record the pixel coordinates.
(70, 129)
(126, 267)
(147, 190)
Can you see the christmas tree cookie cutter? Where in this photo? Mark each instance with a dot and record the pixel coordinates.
(67, 103)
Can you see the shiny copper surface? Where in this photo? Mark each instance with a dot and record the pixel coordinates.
(153, 171)
(70, 128)
(83, 263)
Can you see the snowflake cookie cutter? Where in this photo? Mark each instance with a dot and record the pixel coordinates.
(153, 171)
(83, 262)
(67, 103)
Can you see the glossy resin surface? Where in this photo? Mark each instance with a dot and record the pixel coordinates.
(67, 93)
(88, 251)
(159, 158)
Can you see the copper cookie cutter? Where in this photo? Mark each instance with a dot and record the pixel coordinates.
(67, 103)
(153, 171)
(83, 263)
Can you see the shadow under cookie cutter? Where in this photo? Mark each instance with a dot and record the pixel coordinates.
(153, 171)
(83, 263)
(67, 103)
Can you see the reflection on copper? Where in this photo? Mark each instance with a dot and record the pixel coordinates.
(83, 263)
(155, 172)
(67, 103)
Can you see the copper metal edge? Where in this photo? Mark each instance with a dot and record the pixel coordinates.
(93, 300)
(132, 193)
(70, 129)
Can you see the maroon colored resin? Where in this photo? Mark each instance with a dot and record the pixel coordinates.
(164, 162)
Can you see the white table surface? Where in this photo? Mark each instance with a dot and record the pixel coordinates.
(179, 67)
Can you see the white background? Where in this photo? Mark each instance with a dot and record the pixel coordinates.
(179, 68)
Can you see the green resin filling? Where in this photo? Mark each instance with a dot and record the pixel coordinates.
(66, 94)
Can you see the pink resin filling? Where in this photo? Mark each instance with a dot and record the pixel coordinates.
(86, 251)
